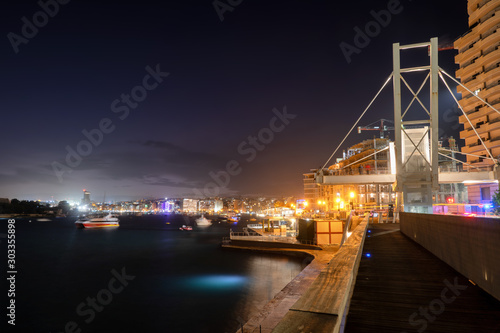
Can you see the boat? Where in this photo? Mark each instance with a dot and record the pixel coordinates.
(186, 227)
(203, 222)
(89, 222)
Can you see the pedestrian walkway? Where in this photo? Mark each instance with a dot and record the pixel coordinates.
(401, 287)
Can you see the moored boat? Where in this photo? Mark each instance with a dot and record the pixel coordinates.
(203, 222)
(109, 220)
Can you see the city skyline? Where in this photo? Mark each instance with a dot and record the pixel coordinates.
(157, 100)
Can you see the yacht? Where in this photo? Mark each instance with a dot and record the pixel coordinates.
(203, 222)
(88, 222)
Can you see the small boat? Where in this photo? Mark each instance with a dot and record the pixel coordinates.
(203, 222)
(97, 222)
(186, 227)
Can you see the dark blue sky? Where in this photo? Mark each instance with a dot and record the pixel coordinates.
(225, 78)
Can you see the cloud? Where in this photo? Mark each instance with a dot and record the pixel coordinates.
(134, 166)
(179, 155)
(150, 162)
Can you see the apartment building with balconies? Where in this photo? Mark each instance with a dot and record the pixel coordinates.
(479, 70)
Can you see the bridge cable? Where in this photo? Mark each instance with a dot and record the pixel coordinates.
(482, 100)
(472, 126)
(364, 158)
(457, 160)
(459, 152)
(356, 123)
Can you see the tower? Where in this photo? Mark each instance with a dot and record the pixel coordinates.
(86, 197)
(416, 147)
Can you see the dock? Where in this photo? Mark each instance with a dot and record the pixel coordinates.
(398, 286)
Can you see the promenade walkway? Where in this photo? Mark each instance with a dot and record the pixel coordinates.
(401, 287)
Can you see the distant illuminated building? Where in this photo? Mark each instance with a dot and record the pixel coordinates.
(479, 60)
(311, 188)
(190, 206)
(86, 197)
(218, 205)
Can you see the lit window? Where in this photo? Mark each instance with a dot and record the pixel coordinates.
(477, 91)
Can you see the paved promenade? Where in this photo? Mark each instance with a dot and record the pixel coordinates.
(401, 287)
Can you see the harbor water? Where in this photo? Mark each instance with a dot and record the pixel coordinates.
(144, 276)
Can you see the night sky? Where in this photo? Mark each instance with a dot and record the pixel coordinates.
(202, 86)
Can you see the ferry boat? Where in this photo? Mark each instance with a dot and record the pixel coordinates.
(97, 222)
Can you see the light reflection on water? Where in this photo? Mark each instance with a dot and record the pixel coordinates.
(269, 275)
(215, 282)
(184, 281)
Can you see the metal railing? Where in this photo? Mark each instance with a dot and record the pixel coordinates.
(363, 171)
(271, 239)
(290, 238)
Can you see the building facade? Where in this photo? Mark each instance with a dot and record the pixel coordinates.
(479, 70)
(364, 180)
(86, 197)
(311, 188)
(190, 205)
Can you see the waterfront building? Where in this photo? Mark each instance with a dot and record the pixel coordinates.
(364, 178)
(190, 205)
(369, 157)
(479, 70)
(311, 188)
(206, 205)
(86, 197)
(218, 205)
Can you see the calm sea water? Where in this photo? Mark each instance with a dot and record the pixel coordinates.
(168, 280)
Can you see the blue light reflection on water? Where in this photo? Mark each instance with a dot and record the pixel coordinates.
(215, 282)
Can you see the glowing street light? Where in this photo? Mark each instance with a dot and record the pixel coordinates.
(352, 199)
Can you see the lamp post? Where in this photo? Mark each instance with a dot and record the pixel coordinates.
(351, 195)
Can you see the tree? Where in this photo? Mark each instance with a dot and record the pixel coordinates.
(496, 203)
(64, 206)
